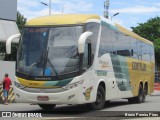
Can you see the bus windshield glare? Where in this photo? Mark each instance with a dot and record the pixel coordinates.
(46, 51)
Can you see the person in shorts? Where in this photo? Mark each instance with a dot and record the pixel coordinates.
(6, 86)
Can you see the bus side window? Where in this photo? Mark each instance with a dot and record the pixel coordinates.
(105, 42)
(93, 27)
(124, 52)
(87, 58)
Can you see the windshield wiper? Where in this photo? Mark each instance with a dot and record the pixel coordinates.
(51, 65)
(37, 64)
(42, 61)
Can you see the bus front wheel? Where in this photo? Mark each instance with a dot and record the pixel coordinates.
(47, 106)
(100, 99)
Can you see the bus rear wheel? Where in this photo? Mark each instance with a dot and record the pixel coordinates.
(145, 93)
(47, 106)
(140, 97)
(100, 99)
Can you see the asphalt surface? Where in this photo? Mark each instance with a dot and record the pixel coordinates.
(117, 109)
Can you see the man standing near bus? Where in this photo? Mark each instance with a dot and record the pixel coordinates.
(6, 86)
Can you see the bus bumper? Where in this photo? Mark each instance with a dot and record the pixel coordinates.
(71, 96)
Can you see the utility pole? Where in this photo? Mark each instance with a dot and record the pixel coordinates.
(62, 9)
(106, 8)
(49, 7)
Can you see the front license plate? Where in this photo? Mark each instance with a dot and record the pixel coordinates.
(42, 98)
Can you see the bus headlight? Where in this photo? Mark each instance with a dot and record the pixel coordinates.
(73, 85)
(20, 86)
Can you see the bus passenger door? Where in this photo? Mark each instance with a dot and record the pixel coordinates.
(105, 65)
(122, 77)
(111, 87)
(118, 70)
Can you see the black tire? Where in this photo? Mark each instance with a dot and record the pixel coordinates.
(131, 100)
(107, 103)
(139, 98)
(144, 93)
(100, 99)
(47, 106)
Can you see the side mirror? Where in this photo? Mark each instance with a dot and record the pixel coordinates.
(10, 40)
(82, 40)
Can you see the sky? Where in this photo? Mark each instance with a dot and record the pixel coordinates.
(131, 12)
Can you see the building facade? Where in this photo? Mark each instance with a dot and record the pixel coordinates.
(8, 26)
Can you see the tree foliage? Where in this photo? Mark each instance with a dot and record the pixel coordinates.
(151, 31)
(21, 20)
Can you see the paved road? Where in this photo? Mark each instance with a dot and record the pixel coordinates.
(152, 104)
(115, 108)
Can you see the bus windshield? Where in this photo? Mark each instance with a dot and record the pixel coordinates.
(46, 51)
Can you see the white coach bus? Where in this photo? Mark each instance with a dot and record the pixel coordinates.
(82, 59)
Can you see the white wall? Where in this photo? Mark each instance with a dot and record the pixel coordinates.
(8, 27)
(8, 9)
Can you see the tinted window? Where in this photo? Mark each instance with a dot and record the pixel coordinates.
(116, 42)
(63, 55)
(134, 48)
(93, 27)
(105, 42)
(146, 52)
(152, 53)
(125, 44)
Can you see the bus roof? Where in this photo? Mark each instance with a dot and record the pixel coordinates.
(69, 19)
(62, 19)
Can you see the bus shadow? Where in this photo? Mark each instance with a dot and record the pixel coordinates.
(122, 102)
(83, 110)
(66, 111)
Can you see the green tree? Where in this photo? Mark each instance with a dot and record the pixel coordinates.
(21, 20)
(151, 31)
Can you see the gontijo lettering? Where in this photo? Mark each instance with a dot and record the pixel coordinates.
(139, 66)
